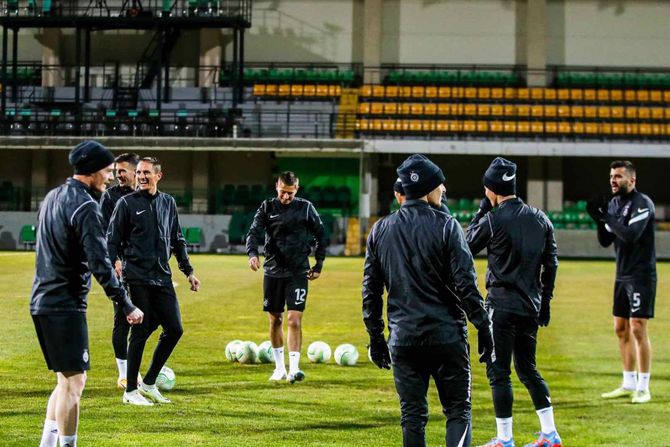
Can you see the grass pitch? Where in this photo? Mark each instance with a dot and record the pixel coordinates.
(217, 403)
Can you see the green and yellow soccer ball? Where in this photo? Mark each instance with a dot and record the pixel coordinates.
(166, 379)
(346, 355)
(319, 352)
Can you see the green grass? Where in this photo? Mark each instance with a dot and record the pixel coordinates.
(219, 403)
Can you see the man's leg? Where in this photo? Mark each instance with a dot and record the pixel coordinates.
(50, 429)
(68, 395)
(638, 327)
(294, 344)
(120, 344)
(411, 384)
(139, 334)
(451, 372)
(627, 351)
(277, 340)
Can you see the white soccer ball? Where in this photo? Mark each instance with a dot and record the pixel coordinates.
(346, 355)
(246, 352)
(231, 350)
(265, 352)
(319, 352)
(166, 379)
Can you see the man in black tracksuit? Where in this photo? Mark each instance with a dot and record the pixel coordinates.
(522, 264)
(144, 232)
(627, 220)
(420, 256)
(124, 169)
(291, 225)
(70, 245)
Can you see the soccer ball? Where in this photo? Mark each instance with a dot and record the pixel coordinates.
(265, 352)
(166, 379)
(231, 350)
(346, 355)
(246, 352)
(319, 352)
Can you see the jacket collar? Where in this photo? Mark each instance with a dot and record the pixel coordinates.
(77, 184)
(146, 194)
(514, 201)
(415, 202)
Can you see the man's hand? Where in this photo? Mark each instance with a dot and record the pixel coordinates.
(313, 274)
(135, 317)
(485, 206)
(195, 282)
(254, 263)
(485, 344)
(545, 312)
(118, 268)
(379, 352)
(597, 208)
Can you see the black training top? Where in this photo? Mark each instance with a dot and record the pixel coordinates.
(629, 223)
(70, 245)
(522, 256)
(420, 256)
(108, 202)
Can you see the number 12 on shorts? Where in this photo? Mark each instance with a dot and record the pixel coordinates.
(300, 295)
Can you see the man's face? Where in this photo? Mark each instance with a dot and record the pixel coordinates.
(435, 196)
(621, 181)
(286, 193)
(491, 196)
(101, 178)
(125, 174)
(399, 197)
(147, 177)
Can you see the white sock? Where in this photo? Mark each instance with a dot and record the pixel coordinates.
(547, 420)
(293, 361)
(629, 379)
(278, 354)
(122, 365)
(68, 441)
(643, 381)
(504, 428)
(49, 434)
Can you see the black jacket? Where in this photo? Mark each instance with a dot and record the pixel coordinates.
(70, 245)
(522, 256)
(420, 256)
(144, 232)
(108, 202)
(629, 223)
(289, 233)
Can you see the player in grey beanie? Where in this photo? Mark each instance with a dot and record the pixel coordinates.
(89, 156)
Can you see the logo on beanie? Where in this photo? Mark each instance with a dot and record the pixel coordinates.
(413, 176)
(507, 178)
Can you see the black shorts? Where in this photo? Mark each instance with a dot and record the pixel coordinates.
(64, 341)
(279, 292)
(634, 298)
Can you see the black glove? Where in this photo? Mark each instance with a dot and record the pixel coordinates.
(485, 343)
(379, 352)
(545, 312)
(597, 208)
(484, 207)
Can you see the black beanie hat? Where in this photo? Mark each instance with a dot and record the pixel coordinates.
(419, 176)
(397, 187)
(500, 177)
(90, 156)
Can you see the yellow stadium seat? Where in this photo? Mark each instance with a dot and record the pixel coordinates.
(666, 129)
(364, 108)
(497, 93)
(618, 129)
(645, 129)
(389, 125)
(510, 110)
(657, 129)
(404, 91)
(644, 113)
(377, 125)
(510, 93)
(550, 111)
(657, 113)
(551, 127)
(591, 129)
(484, 93)
(457, 92)
(455, 126)
(418, 91)
(431, 92)
(576, 94)
(629, 96)
(470, 109)
(643, 95)
(391, 91)
(497, 110)
(284, 90)
(444, 92)
(259, 90)
(428, 125)
(537, 94)
(483, 110)
(564, 128)
(416, 108)
(617, 112)
(578, 128)
(470, 92)
(271, 90)
(631, 113)
(632, 129)
(456, 109)
(606, 128)
(441, 126)
(603, 95)
(589, 94)
(537, 111)
(443, 109)
(655, 96)
(334, 90)
(667, 113)
(550, 94)
(322, 90)
(563, 94)
(309, 90)
(666, 96)
(402, 125)
(365, 91)
(590, 112)
(390, 108)
(564, 111)
(482, 126)
(537, 127)
(523, 127)
(509, 126)
(616, 95)
(469, 126)
(430, 109)
(604, 112)
(577, 111)
(523, 94)
(377, 108)
(523, 110)
(378, 91)
(405, 108)
(415, 126)
(362, 124)
(496, 126)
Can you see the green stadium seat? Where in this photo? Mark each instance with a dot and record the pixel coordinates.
(28, 236)
(239, 227)
(193, 236)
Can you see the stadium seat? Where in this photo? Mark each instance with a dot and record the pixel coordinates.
(643, 113)
(193, 236)
(430, 109)
(390, 108)
(259, 90)
(309, 90)
(239, 227)
(28, 236)
(444, 92)
(657, 113)
(364, 108)
(297, 90)
(378, 91)
(431, 92)
(376, 108)
(391, 91)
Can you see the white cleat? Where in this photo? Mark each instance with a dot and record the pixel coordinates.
(278, 375)
(135, 398)
(641, 397)
(152, 393)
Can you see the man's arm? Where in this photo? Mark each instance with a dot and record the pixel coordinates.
(549, 262)
(373, 289)
(177, 240)
(479, 232)
(117, 230)
(315, 226)
(256, 231)
(106, 208)
(642, 214)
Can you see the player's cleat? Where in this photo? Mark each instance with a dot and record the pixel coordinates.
(122, 384)
(641, 397)
(547, 440)
(151, 392)
(619, 392)
(278, 375)
(497, 442)
(297, 376)
(135, 398)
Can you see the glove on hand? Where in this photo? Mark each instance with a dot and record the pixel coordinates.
(379, 352)
(545, 312)
(597, 208)
(485, 343)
